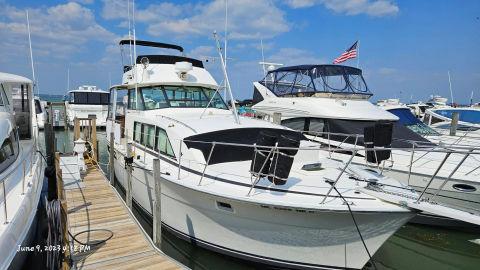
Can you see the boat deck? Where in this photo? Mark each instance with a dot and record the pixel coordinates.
(93, 204)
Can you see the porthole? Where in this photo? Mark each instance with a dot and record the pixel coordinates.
(464, 187)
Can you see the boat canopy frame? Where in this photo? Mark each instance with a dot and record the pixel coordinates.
(308, 80)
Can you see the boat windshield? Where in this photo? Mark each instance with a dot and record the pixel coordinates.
(407, 119)
(158, 97)
(310, 80)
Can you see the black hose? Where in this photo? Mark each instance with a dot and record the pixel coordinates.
(88, 231)
(356, 225)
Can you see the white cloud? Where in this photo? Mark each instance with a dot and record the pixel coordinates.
(247, 19)
(294, 56)
(375, 8)
(300, 3)
(56, 31)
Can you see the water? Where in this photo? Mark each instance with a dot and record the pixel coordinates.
(412, 247)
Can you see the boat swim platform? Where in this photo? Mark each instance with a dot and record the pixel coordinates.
(93, 204)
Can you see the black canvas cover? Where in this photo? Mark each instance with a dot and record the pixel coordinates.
(169, 59)
(400, 134)
(228, 153)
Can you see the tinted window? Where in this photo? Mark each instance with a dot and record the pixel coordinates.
(137, 132)
(81, 98)
(162, 144)
(8, 152)
(132, 99)
(104, 98)
(148, 136)
(94, 98)
(154, 98)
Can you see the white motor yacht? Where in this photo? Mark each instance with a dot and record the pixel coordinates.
(86, 101)
(21, 169)
(330, 104)
(240, 186)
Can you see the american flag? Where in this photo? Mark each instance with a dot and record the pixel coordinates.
(348, 54)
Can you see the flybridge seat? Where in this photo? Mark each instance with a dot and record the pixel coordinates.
(314, 80)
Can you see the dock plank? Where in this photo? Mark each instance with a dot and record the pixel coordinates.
(94, 205)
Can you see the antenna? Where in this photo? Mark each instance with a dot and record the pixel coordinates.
(263, 58)
(227, 81)
(31, 55)
(68, 79)
(450, 83)
(225, 46)
(129, 32)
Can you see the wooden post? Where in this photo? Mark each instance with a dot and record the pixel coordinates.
(93, 130)
(128, 193)
(157, 204)
(111, 166)
(454, 123)
(63, 212)
(65, 118)
(58, 171)
(76, 129)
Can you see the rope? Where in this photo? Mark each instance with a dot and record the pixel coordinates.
(355, 223)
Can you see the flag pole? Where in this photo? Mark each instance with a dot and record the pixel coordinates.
(358, 53)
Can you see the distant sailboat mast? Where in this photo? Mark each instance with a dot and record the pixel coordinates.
(450, 84)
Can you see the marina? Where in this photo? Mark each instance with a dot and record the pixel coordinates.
(322, 165)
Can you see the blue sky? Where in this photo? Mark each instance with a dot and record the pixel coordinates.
(406, 47)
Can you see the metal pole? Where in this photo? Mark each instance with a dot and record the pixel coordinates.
(434, 175)
(157, 204)
(411, 164)
(206, 164)
(112, 160)
(24, 176)
(339, 175)
(179, 159)
(451, 174)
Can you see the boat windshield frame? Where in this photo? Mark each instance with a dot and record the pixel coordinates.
(169, 97)
(308, 80)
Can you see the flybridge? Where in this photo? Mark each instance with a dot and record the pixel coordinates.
(159, 59)
(311, 80)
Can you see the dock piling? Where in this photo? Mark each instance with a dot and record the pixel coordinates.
(128, 193)
(111, 166)
(157, 204)
(454, 123)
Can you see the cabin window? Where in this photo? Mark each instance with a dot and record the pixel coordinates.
(295, 123)
(81, 98)
(163, 143)
(148, 136)
(4, 97)
(132, 99)
(153, 98)
(137, 132)
(186, 97)
(8, 151)
(316, 126)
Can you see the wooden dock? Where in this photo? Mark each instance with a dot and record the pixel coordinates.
(95, 208)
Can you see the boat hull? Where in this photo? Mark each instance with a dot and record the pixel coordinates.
(286, 237)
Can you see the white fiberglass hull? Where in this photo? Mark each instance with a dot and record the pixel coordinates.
(83, 111)
(279, 236)
(21, 208)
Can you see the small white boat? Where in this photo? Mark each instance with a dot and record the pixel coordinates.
(21, 169)
(87, 101)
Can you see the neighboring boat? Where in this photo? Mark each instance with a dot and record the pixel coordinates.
(219, 186)
(329, 104)
(87, 101)
(21, 169)
(469, 117)
(419, 108)
(40, 112)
